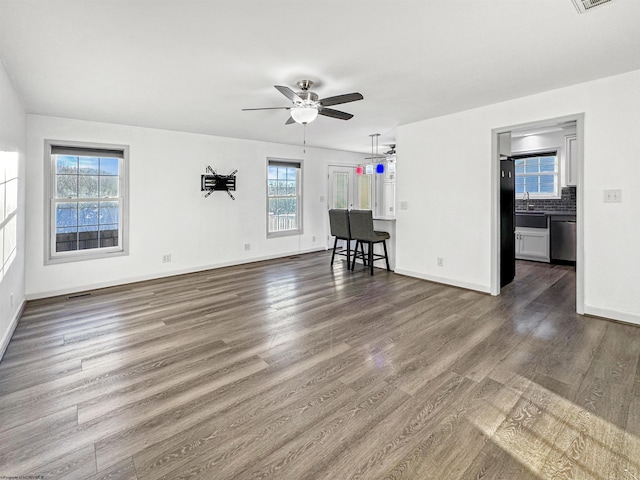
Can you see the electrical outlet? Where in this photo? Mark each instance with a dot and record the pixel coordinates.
(613, 196)
(247, 247)
(313, 239)
(404, 205)
(440, 262)
(166, 258)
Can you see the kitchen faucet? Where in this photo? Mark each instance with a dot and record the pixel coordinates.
(526, 197)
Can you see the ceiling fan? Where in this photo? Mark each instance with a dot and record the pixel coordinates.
(306, 106)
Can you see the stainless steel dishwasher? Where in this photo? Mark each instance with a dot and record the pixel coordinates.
(563, 238)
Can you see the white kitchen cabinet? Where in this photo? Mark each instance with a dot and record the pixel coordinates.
(532, 244)
(571, 159)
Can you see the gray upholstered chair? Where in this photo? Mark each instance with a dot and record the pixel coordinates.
(362, 232)
(339, 223)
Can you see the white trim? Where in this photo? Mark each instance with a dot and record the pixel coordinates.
(4, 343)
(612, 314)
(142, 278)
(446, 281)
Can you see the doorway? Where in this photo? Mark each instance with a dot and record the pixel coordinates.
(499, 152)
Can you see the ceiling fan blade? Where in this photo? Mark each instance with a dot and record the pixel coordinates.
(330, 112)
(290, 121)
(338, 99)
(287, 92)
(266, 108)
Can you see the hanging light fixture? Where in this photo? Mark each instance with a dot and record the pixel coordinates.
(375, 157)
(304, 113)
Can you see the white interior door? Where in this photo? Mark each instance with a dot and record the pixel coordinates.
(341, 192)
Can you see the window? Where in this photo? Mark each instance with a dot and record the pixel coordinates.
(87, 210)
(8, 209)
(284, 197)
(364, 191)
(537, 174)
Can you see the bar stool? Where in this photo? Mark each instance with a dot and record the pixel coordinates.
(339, 223)
(362, 232)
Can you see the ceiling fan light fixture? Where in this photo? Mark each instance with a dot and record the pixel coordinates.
(304, 114)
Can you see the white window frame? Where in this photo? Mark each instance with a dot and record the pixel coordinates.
(298, 164)
(50, 254)
(556, 174)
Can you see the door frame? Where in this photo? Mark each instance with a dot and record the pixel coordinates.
(495, 202)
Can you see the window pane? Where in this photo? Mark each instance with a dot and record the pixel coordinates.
(273, 173)
(547, 164)
(519, 167)
(66, 239)
(547, 184)
(531, 184)
(88, 186)
(88, 214)
(66, 186)
(340, 189)
(109, 166)
(109, 235)
(272, 187)
(66, 215)
(87, 237)
(364, 192)
(109, 186)
(282, 189)
(66, 164)
(88, 165)
(109, 212)
(531, 167)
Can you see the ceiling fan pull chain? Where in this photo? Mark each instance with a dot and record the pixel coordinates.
(304, 138)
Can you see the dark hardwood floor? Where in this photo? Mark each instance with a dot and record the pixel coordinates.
(291, 369)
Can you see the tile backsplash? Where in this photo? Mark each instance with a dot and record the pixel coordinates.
(567, 203)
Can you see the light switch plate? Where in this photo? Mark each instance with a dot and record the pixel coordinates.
(613, 196)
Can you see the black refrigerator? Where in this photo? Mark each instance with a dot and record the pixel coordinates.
(507, 222)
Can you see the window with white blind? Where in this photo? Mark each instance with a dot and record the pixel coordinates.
(86, 202)
(538, 175)
(284, 197)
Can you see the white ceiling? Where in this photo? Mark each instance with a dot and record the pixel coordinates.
(191, 65)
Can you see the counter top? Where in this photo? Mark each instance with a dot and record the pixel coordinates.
(386, 219)
(548, 213)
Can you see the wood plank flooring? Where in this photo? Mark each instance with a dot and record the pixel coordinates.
(292, 369)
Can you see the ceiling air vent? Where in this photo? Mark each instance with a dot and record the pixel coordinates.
(586, 5)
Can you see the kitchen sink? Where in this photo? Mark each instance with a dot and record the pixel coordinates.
(531, 219)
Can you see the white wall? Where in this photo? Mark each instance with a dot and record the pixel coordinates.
(168, 213)
(12, 140)
(445, 176)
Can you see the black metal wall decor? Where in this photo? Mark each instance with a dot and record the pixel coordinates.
(212, 181)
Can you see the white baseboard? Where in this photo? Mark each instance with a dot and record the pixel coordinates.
(4, 343)
(446, 281)
(172, 273)
(612, 314)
